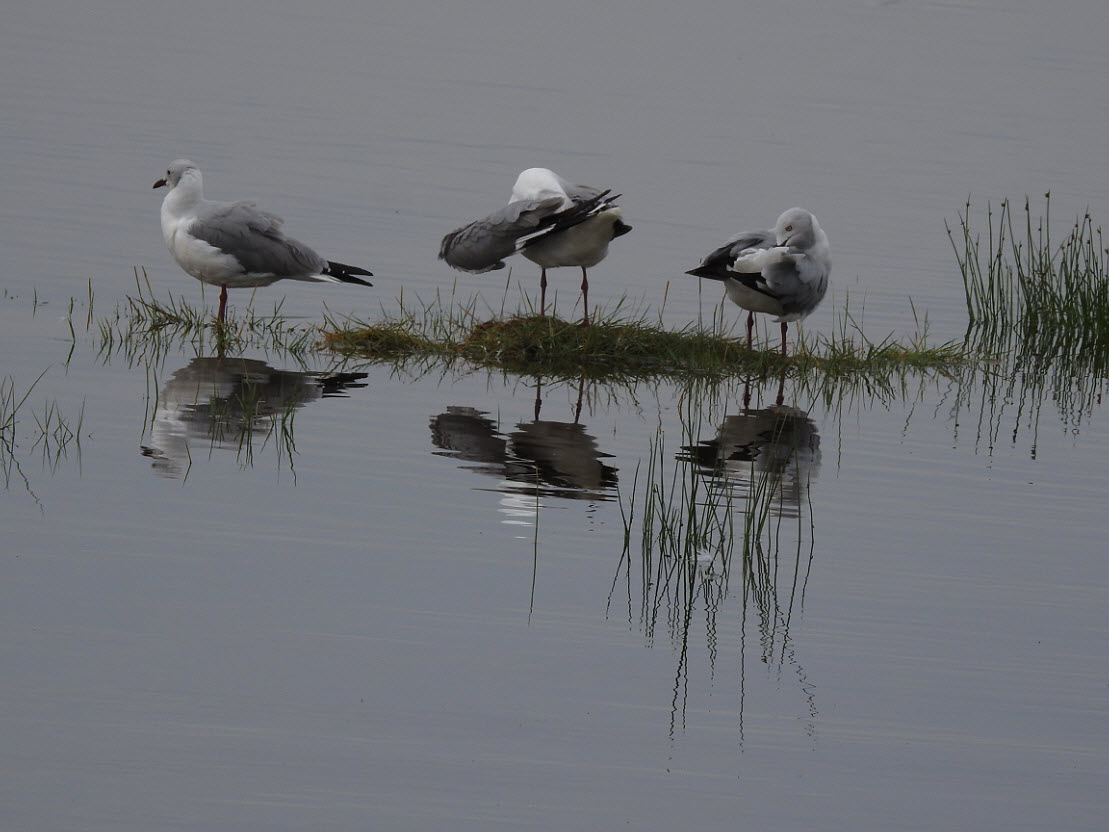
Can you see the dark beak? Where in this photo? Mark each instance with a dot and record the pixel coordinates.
(161, 183)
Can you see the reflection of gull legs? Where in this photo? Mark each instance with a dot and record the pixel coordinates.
(539, 399)
(778, 399)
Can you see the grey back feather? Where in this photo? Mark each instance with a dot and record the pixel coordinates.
(584, 193)
(482, 245)
(254, 238)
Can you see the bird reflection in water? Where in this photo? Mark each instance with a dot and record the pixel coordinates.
(541, 458)
(777, 446)
(710, 537)
(232, 403)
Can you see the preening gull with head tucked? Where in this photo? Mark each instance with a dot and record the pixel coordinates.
(235, 244)
(783, 271)
(550, 222)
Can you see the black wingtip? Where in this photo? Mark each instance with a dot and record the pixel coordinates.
(703, 271)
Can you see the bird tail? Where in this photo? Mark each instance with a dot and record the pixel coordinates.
(346, 274)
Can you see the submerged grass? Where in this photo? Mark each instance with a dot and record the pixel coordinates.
(146, 328)
(55, 434)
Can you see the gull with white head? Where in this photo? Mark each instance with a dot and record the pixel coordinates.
(783, 271)
(235, 244)
(548, 221)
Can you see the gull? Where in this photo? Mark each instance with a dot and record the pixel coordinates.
(550, 222)
(235, 244)
(781, 272)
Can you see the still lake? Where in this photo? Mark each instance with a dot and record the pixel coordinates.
(428, 597)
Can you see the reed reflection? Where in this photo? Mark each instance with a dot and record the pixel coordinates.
(543, 457)
(232, 403)
(724, 517)
(1003, 402)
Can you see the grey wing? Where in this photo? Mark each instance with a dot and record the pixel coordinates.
(482, 245)
(718, 264)
(254, 238)
(799, 286)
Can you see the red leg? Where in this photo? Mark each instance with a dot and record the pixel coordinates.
(222, 303)
(784, 326)
(585, 296)
(542, 291)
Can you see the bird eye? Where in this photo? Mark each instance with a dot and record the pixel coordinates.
(789, 228)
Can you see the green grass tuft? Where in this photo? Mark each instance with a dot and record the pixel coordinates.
(1038, 308)
(147, 328)
(1017, 278)
(619, 349)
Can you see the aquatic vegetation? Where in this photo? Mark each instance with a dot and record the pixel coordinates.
(1018, 278)
(55, 435)
(619, 347)
(715, 499)
(146, 329)
(220, 399)
(727, 513)
(1039, 313)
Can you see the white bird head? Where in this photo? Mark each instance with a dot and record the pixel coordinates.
(796, 228)
(176, 170)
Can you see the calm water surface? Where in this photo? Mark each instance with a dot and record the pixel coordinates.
(427, 598)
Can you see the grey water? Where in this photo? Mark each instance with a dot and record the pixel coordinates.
(424, 598)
